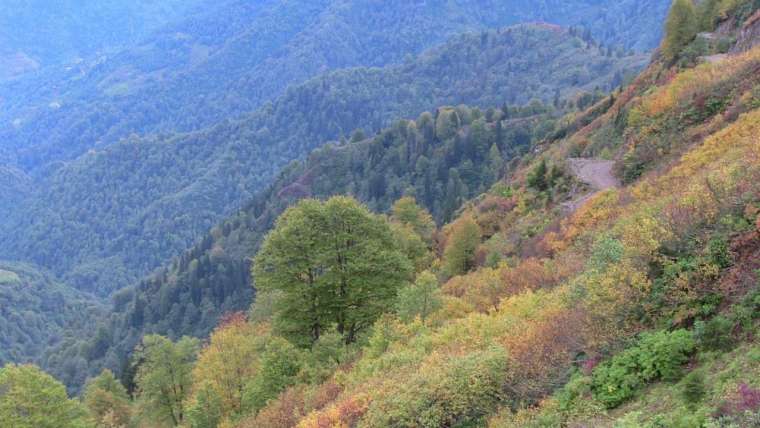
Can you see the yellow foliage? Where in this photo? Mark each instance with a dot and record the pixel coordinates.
(230, 359)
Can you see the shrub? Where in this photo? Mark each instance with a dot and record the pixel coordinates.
(714, 334)
(693, 388)
(657, 356)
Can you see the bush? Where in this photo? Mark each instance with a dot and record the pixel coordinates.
(657, 356)
(693, 389)
(714, 334)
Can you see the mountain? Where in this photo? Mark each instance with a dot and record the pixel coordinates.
(610, 278)
(36, 313)
(37, 34)
(211, 279)
(227, 58)
(112, 215)
(585, 263)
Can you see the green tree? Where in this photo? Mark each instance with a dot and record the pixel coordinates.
(447, 123)
(693, 390)
(30, 398)
(204, 410)
(107, 400)
(421, 298)
(164, 376)
(680, 28)
(459, 255)
(279, 366)
(407, 211)
(537, 177)
(335, 263)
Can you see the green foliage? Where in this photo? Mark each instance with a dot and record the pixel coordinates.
(280, 363)
(39, 313)
(205, 409)
(335, 263)
(419, 299)
(406, 211)
(459, 393)
(693, 388)
(537, 178)
(213, 278)
(459, 255)
(680, 28)
(178, 186)
(107, 400)
(164, 376)
(715, 334)
(656, 356)
(30, 398)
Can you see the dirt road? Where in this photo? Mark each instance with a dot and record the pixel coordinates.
(597, 173)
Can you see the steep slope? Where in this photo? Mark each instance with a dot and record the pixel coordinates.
(212, 278)
(231, 56)
(634, 288)
(97, 220)
(36, 313)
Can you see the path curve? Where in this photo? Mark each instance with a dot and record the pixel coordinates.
(597, 173)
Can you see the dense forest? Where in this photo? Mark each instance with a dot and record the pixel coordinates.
(443, 158)
(591, 259)
(38, 34)
(97, 220)
(36, 313)
(228, 58)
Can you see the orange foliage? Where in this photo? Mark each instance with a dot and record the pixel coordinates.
(343, 414)
(285, 412)
(542, 351)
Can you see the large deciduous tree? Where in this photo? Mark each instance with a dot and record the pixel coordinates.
(164, 376)
(30, 398)
(336, 264)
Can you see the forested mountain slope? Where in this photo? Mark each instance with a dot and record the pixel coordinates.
(36, 313)
(231, 56)
(112, 215)
(444, 158)
(638, 308)
(543, 302)
(39, 33)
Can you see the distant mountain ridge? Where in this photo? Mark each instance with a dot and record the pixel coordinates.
(41, 33)
(227, 59)
(111, 216)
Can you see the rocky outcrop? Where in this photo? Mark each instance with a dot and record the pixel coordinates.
(749, 35)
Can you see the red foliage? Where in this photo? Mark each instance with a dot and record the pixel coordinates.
(540, 354)
(232, 318)
(748, 398)
(285, 412)
(589, 365)
(326, 394)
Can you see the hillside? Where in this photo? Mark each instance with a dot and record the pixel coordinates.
(637, 308)
(96, 221)
(37, 34)
(228, 58)
(189, 296)
(36, 313)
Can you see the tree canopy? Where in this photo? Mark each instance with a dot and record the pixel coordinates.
(337, 266)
